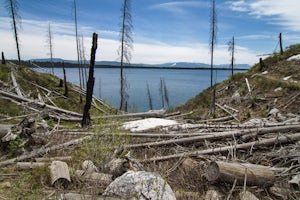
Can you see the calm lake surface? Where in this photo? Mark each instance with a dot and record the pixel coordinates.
(181, 84)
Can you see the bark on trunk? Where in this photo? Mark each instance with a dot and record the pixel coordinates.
(227, 172)
(90, 85)
(29, 165)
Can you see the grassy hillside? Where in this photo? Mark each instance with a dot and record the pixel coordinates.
(274, 84)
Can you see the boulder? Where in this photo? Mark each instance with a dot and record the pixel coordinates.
(140, 185)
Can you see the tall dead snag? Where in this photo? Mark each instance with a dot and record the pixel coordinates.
(280, 43)
(125, 49)
(65, 80)
(149, 97)
(90, 84)
(213, 38)
(12, 7)
(3, 58)
(50, 43)
(231, 49)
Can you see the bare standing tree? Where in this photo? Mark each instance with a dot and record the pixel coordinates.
(163, 91)
(12, 7)
(149, 98)
(213, 39)
(77, 45)
(125, 48)
(49, 41)
(231, 49)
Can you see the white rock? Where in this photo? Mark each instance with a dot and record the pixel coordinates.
(247, 196)
(140, 185)
(278, 89)
(287, 78)
(265, 72)
(295, 57)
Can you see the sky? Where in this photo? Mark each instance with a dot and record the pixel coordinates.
(163, 30)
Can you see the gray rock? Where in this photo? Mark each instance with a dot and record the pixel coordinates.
(140, 185)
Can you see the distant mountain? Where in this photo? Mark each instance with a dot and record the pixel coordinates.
(163, 65)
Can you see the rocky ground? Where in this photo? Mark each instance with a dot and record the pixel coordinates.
(247, 148)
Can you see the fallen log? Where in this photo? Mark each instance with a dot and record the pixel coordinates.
(257, 175)
(264, 142)
(15, 84)
(217, 135)
(60, 174)
(23, 99)
(65, 158)
(95, 177)
(43, 151)
(29, 165)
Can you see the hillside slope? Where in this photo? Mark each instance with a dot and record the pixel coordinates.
(275, 83)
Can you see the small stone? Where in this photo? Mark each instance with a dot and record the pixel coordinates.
(247, 196)
(4, 185)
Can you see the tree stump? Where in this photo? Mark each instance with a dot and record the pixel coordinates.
(60, 175)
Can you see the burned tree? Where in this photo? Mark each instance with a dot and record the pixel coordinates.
(12, 7)
(231, 49)
(125, 49)
(90, 84)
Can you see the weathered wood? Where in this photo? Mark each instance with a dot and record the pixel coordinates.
(29, 165)
(60, 175)
(43, 151)
(264, 142)
(95, 177)
(76, 196)
(227, 172)
(46, 159)
(60, 110)
(90, 84)
(217, 135)
(15, 84)
(227, 111)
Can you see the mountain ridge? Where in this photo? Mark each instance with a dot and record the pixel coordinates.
(162, 65)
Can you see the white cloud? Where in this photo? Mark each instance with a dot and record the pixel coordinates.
(33, 45)
(178, 6)
(285, 13)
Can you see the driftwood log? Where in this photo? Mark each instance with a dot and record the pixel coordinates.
(217, 135)
(243, 172)
(260, 143)
(43, 151)
(95, 177)
(60, 175)
(29, 165)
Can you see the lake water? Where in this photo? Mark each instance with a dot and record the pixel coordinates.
(181, 85)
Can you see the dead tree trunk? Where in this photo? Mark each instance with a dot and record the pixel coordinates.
(90, 85)
(65, 80)
(3, 59)
(280, 43)
(252, 174)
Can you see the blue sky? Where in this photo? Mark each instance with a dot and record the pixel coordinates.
(164, 30)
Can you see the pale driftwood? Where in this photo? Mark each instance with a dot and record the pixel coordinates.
(60, 175)
(60, 110)
(16, 117)
(230, 108)
(15, 84)
(229, 171)
(29, 165)
(46, 159)
(76, 196)
(43, 151)
(248, 85)
(227, 111)
(95, 177)
(217, 135)
(264, 142)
